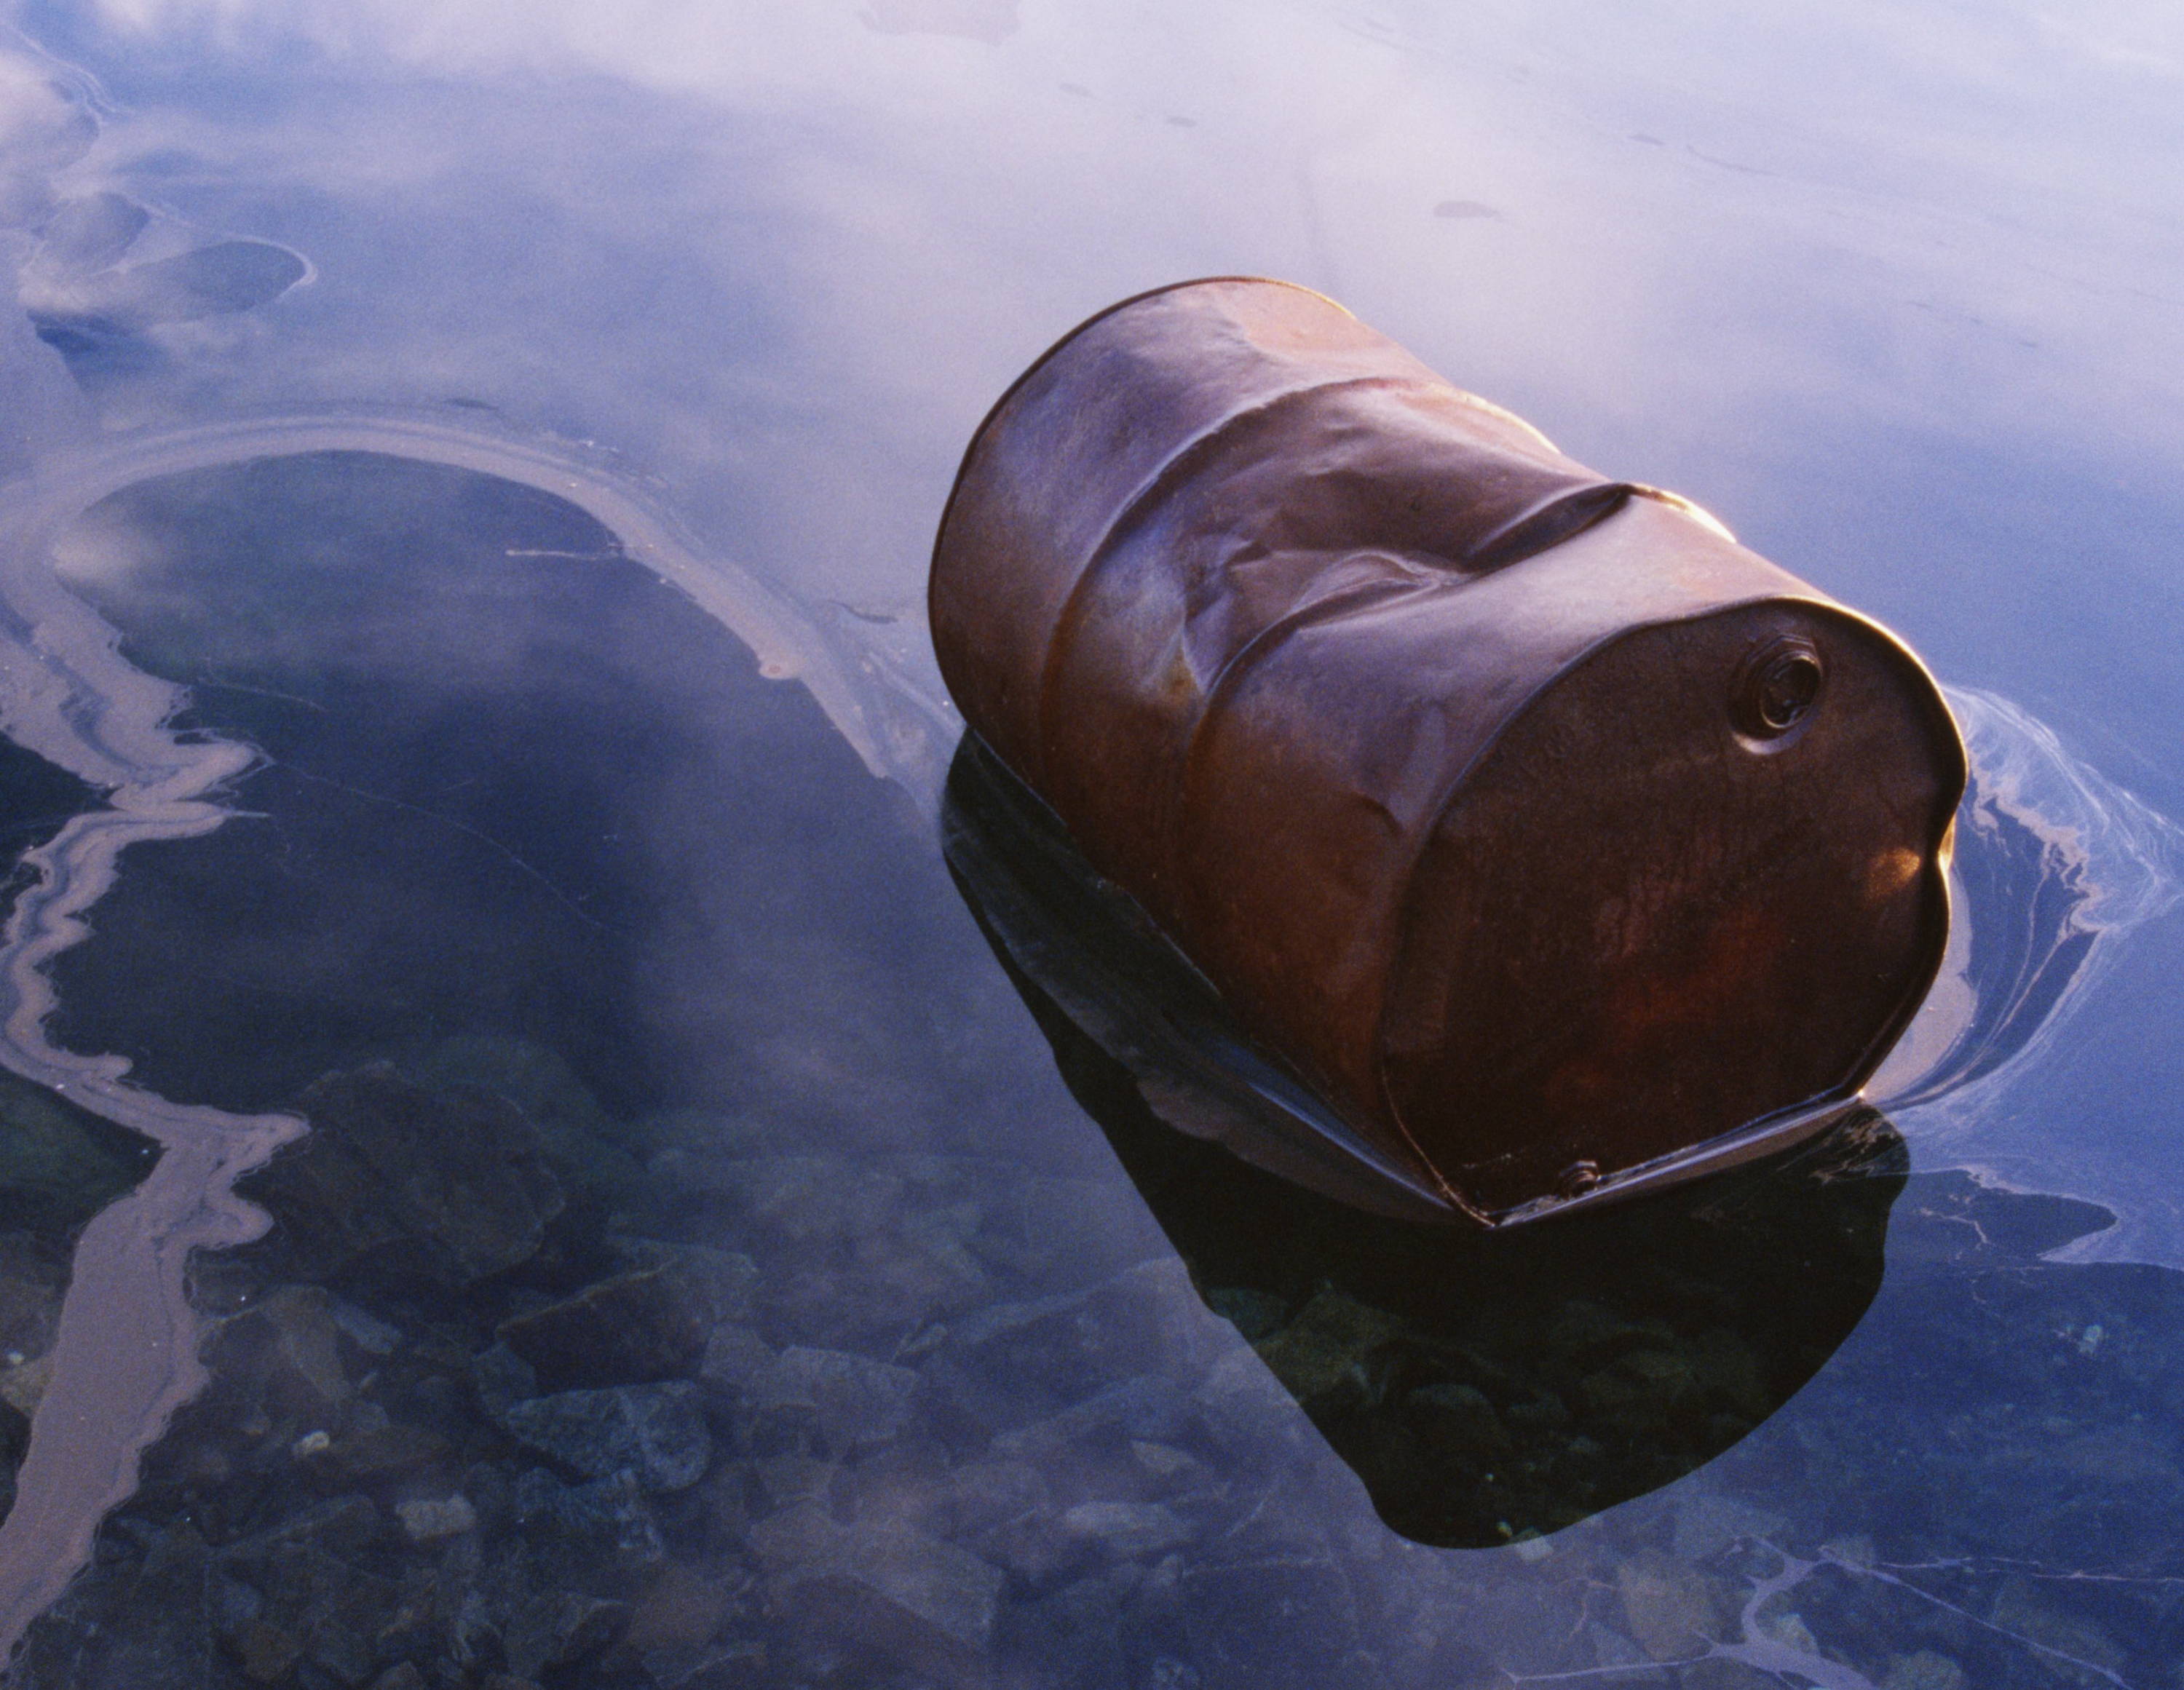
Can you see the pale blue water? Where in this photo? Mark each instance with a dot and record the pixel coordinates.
(470, 476)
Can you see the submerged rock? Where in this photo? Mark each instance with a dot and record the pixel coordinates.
(742, 1665)
(1150, 1406)
(1326, 1355)
(448, 1185)
(735, 1356)
(631, 1330)
(558, 1628)
(852, 1402)
(655, 1433)
(428, 1520)
(310, 1592)
(1267, 1624)
(1128, 1531)
(283, 1353)
(1669, 1606)
(1924, 1670)
(716, 1284)
(136, 1619)
(792, 1200)
(883, 1586)
(378, 1449)
(1145, 1319)
(684, 1612)
(601, 1530)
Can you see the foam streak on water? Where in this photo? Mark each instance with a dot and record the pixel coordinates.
(2059, 876)
(901, 731)
(126, 1353)
(2054, 866)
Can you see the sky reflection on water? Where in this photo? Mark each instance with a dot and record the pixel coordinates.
(1891, 290)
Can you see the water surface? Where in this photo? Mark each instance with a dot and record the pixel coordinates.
(525, 1161)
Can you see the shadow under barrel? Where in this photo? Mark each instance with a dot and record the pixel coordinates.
(1557, 844)
(1483, 1385)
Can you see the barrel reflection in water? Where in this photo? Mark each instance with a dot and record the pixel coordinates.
(1484, 1386)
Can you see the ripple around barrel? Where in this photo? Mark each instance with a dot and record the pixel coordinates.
(2067, 887)
(2054, 866)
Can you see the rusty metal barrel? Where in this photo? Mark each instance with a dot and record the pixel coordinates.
(1558, 842)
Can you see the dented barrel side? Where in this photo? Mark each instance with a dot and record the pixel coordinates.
(1251, 598)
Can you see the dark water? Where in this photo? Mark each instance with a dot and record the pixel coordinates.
(472, 476)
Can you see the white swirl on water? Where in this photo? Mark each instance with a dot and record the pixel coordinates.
(2057, 871)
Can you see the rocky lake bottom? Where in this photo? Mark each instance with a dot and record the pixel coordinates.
(497, 1403)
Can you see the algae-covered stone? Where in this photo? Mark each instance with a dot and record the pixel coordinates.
(633, 1329)
(1325, 1355)
(881, 1586)
(1669, 1606)
(449, 1185)
(854, 1402)
(655, 1433)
